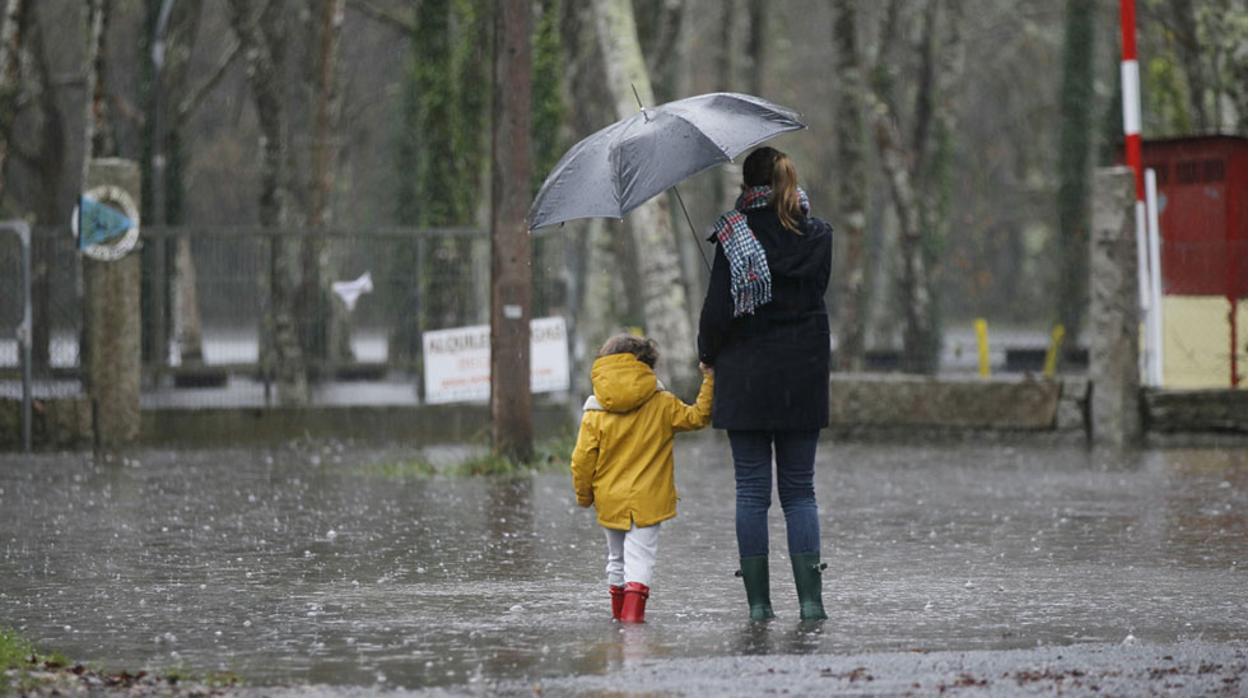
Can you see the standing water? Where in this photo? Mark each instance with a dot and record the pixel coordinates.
(313, 565)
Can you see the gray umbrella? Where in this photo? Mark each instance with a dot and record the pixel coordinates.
(622, 166)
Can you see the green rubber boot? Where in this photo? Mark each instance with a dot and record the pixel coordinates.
(757, 586)
(808, 575)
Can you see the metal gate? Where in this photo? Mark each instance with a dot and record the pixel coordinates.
(15, 315)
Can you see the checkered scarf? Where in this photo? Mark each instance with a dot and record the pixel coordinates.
(747, 261)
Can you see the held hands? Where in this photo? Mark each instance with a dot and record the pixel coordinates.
(707, 371)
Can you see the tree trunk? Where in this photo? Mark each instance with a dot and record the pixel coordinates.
(1073, 167)
(94, 62)
(594, 315)
(937, 175)
(11, 25)
(659, 37)
(263, 39)
(913, 286)
(188, 329)
(756, 46)
(511, 402)
(598, 301)
(103, 143)
(440, 166)
(1187, 37)
(164, 80)
(470, 62)
(50, 172)
(324, 328)
(666, 306)
(914, 176)
(729, 174)
(188, 326)
(897, 160)
(548, 111)
(851, 182)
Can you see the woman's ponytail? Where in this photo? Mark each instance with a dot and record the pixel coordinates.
(784, 195)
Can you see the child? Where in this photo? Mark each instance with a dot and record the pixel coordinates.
(622, 463)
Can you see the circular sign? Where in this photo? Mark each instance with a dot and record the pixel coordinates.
(120, 212)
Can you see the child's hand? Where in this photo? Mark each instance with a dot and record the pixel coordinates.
(585, 502)
(707, 371)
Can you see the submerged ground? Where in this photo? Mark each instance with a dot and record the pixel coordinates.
(337, 565)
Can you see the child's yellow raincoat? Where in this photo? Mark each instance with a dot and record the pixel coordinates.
(622, 462)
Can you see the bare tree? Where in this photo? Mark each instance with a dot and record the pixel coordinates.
(727, 67)
(659, 25)
(49, 166)
(914, 174)
(1073, 167)
(323, 318)
(593, 313)
(183, 33)
(11, 34)
(663, 293)
(262, 33)
(96, 103)
(756, 45)
(852, 189)
(1187, 37)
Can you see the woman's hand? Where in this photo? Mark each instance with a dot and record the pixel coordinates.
(706, 370)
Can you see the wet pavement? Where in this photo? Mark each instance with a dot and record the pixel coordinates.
(331, 564)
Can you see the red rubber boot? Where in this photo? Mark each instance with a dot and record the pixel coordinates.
(634, 610)
(617, 601)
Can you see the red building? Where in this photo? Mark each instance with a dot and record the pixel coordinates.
(1202, 187)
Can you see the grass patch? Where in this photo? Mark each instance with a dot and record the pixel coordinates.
(554, 452)
(408, 469)
(26, 670)
(15, 650)
(548, 454)
(551, 453)
(180, 673)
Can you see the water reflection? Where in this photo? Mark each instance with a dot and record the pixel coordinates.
(306, 564)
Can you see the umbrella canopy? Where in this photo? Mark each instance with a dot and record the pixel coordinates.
(625, 164)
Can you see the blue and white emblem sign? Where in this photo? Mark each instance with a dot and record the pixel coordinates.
(106, 223)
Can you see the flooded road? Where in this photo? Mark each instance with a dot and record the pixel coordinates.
(328, 565)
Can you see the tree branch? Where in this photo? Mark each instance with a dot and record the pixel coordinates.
(673, 13)
(384, 16)
(924, 95)
(192, 101)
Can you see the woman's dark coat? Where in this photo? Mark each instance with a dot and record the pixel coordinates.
(771, 368)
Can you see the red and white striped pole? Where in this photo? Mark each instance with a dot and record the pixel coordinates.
(1131, 96)
(1135, 160)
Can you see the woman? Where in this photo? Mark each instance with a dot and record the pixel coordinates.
(764, 328)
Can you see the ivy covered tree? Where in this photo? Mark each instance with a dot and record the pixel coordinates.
(1073, 170)
(440, 164)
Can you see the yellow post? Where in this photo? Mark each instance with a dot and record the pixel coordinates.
(981, 333)
(1055, 345)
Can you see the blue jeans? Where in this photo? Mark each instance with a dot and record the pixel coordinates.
(795, 475)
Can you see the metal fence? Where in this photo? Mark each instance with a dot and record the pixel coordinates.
(209, 307)
(55, 283)
(15, 313)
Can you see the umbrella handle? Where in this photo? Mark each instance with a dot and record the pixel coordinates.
(692, 230)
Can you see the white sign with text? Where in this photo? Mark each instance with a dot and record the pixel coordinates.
(457, 361)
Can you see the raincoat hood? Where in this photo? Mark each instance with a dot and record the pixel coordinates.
(622, 383)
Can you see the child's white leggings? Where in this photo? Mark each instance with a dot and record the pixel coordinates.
(631, 554)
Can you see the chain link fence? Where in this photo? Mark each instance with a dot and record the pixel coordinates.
(11, 300)
(358, 301)
(56, 284)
